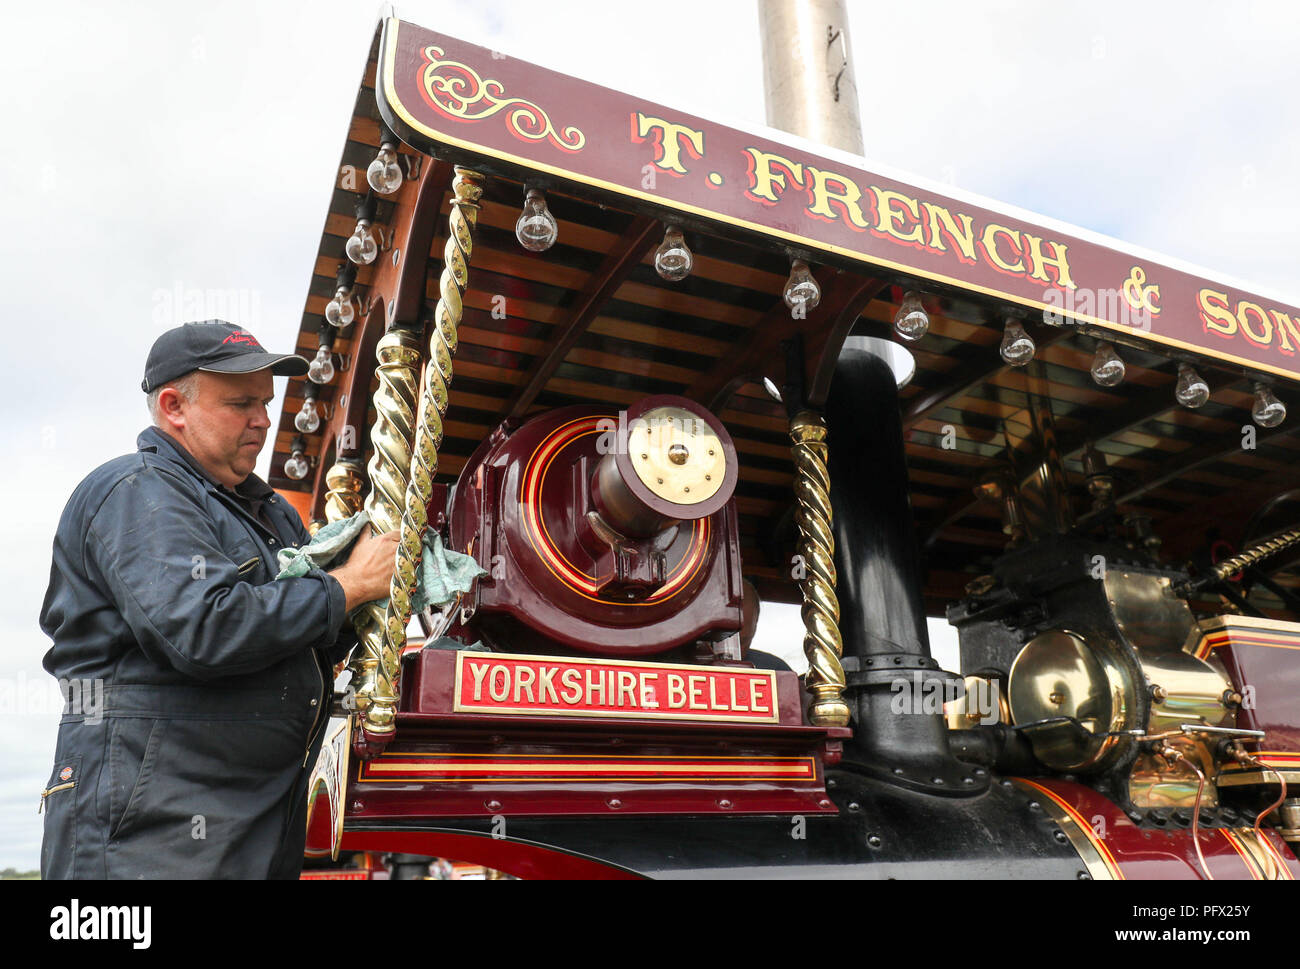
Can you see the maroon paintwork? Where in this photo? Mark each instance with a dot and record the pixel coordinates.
(407, 780)
(1142, 853)
(1266, 664)
(520, 508)
(449, 98)
(516, 858)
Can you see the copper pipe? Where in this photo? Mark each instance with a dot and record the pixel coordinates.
(1171, 753)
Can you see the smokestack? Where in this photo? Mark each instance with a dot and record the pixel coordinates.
(808, 81)
(811, 92)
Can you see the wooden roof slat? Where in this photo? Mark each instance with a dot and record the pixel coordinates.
(602, 284)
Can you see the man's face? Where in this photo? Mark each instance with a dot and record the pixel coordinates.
(225, 427)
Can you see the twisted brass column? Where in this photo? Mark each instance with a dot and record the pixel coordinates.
(467, 187)
(821, 609)
(399, 357)
(343, 500)
(345, 478)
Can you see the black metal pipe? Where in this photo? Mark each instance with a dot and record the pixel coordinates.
(878, 569)
(894, 688)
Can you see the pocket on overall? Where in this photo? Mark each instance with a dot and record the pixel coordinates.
(59, 805)
(133, 755)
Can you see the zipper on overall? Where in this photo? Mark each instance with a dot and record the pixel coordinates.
(321, 704)
(51, 790)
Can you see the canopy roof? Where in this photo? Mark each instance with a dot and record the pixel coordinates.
(591, 321)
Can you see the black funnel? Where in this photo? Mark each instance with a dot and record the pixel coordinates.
(895, 688)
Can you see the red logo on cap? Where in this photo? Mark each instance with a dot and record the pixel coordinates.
(242, 337)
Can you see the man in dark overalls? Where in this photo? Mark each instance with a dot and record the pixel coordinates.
(215, 679)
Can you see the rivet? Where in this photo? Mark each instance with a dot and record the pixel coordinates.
(979, 772)
(824, 803)
(1083, 876)
(898, 771)
(968, 780)
(855, 806)
(1060, 836)
(614, 803)
(493, 806)
(936, 780)
(724, 804)
(1035, 806)
(874, 841)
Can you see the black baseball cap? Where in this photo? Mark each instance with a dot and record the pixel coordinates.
(217, 347)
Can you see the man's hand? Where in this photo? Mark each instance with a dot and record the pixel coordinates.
(368, 571)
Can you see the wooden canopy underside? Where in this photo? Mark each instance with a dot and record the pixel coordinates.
(590, 321)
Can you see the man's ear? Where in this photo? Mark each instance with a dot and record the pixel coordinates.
(171, 408)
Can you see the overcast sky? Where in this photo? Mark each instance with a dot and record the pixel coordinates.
(157, 148)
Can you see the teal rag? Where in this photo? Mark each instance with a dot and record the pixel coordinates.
(442, 575)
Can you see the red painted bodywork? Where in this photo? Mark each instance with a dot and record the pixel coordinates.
(1143, 853)
(604, 760)
(520, 509)
(436, 92)
(1268, 663)
(511, 857)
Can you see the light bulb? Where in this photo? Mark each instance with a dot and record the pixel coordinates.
(339, 311)
(801, 291)
(307, 419)
(1107, 367)
(361, 248)
(321, 369)
(1267, 411)
(384, 174)
(1191, 391)
(1017, 347)
(673, 259)
(536, 229)
(911, 322)
(296, 466)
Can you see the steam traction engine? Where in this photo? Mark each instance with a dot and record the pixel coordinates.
(655, 416)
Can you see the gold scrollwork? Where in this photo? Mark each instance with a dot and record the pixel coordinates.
(458, 91)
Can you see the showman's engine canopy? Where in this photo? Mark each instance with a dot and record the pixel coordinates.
(650, 375)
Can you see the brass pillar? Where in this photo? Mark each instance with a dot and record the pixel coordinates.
(467, 187)
(821, 608)
(343, 500)
(345, 478)
(399, 359)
